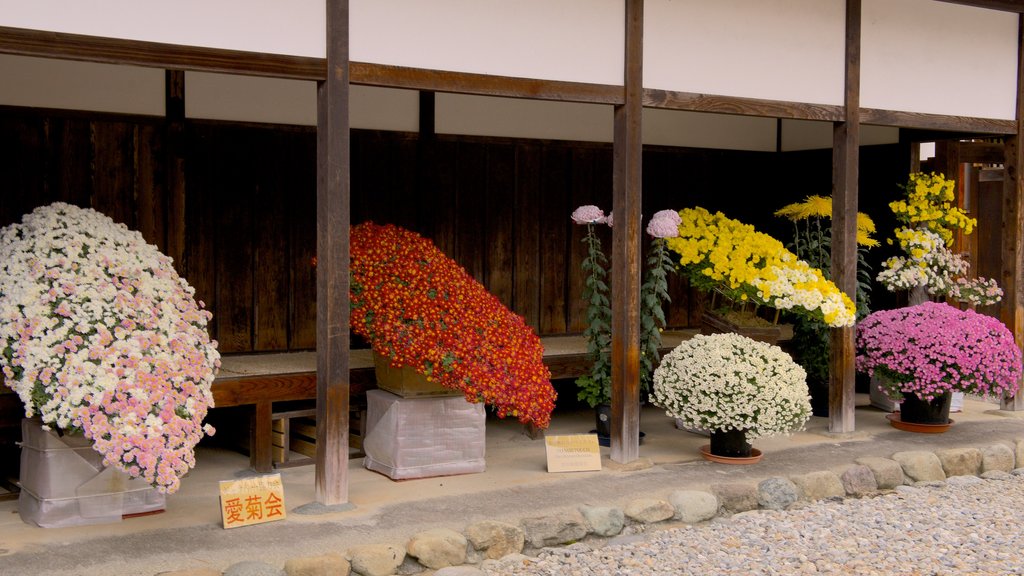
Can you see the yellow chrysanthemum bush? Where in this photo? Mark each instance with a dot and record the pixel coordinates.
(929, 220)
(719, 253)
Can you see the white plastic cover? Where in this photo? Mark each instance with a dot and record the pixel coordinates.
(423, 437)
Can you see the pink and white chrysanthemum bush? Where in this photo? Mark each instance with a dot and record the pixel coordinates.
(99, 334)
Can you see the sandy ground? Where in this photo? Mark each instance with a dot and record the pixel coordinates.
(515, 485)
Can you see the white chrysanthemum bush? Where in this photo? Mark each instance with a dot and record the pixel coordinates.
(99, 334)
(722, 382)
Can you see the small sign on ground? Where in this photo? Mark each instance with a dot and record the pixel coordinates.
(252, 501)
(573, 453)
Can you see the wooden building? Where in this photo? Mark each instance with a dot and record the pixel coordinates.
(244, 136)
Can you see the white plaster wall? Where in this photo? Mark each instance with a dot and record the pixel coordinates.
(702, 130)
(775, 49)
(45, 83)
(293, 27)
(571, 40)
(939, 58)
(809, 135)
(514, 118)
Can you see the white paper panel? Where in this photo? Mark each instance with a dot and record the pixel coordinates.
(44, 83)
(701, 130)
(809, 135)
(775, 49)
(249, 99)
(384, 109)
(572, 40)
(939, 58)
(295, 27)
(509, 117)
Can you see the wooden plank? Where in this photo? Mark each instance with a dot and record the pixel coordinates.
(441, 185)
(483, 84)
(498, 239)
(302, 215)
(273, 388)
(150, 185)
(981, 152)
(113, 176)
(271, 245)
(583, 189)
(696, 102)
(261, 458)
(234, 231)
(845, 171)
(936, 121)
(69, 159)
(1012, 278)
(625, 255)
(554, 239)
(201, 218)
(470, 189)
(526, 292)
(174, 172)
(157, 55)
(333, 193)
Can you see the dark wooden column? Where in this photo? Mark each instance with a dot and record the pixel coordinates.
(332, 275)
(626, 234)
(1011, 310)
(845, 170)
(174, 110)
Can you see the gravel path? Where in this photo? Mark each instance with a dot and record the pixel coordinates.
(964, 526)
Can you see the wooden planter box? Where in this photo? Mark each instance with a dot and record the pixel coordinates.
(713, 323)
(406, 382)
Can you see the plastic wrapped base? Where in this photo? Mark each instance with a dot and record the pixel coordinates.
(64, 483)
(423, 437)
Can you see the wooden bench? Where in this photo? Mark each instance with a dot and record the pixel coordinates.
(261, 380)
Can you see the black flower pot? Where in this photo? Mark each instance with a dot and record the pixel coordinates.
(818, 390)
(918, 411)
(730, 443)
(603, 420)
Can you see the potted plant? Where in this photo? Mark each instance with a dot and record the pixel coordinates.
(595, 387)
(925, 352)
(812, 243)
(725, 256)
(101, 338)
(421, 310)
(737, 388)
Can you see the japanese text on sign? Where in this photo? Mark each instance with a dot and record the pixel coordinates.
(252, 501)
(573, 453)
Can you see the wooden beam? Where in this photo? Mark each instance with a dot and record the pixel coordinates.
(936, 122)
(332, 276)
(1005, 5)
(483, 84)
(45, 44)
(1011, 309)
(626, 235)
(981, 152)
(694, 102)
(845, 172)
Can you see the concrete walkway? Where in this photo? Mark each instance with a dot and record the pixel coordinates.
(516, 485)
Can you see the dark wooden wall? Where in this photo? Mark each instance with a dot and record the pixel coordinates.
(499, 207)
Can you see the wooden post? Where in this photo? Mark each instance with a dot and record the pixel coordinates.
(626, 260)
(1011, 309)
(332, 275)
(845, 170)
(174, 111)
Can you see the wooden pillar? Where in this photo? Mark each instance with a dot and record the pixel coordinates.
(174, 110)
(1011, 309)
(845, 170)
(626, 259)
(332, 272)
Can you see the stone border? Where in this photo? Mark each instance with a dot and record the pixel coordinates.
(488, 544)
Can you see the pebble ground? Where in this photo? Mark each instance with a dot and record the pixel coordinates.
(964, 526)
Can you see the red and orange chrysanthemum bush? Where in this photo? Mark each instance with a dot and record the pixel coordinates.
(419, 308)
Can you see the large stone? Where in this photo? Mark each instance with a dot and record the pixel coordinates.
(859, 480)
(888, 473)
(554, 530)
(496, 539)
(735, 497)
(819, 485)
(920, 466)
(996, 457)
(326, 565)
(253, 568)
(438, 547)
(375, 559)
(649, 510)
(604, 520)
(777, 493)
(960, 461)
(694, 506)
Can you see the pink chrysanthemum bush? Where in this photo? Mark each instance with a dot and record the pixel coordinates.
(934, 348)
(101, 336)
